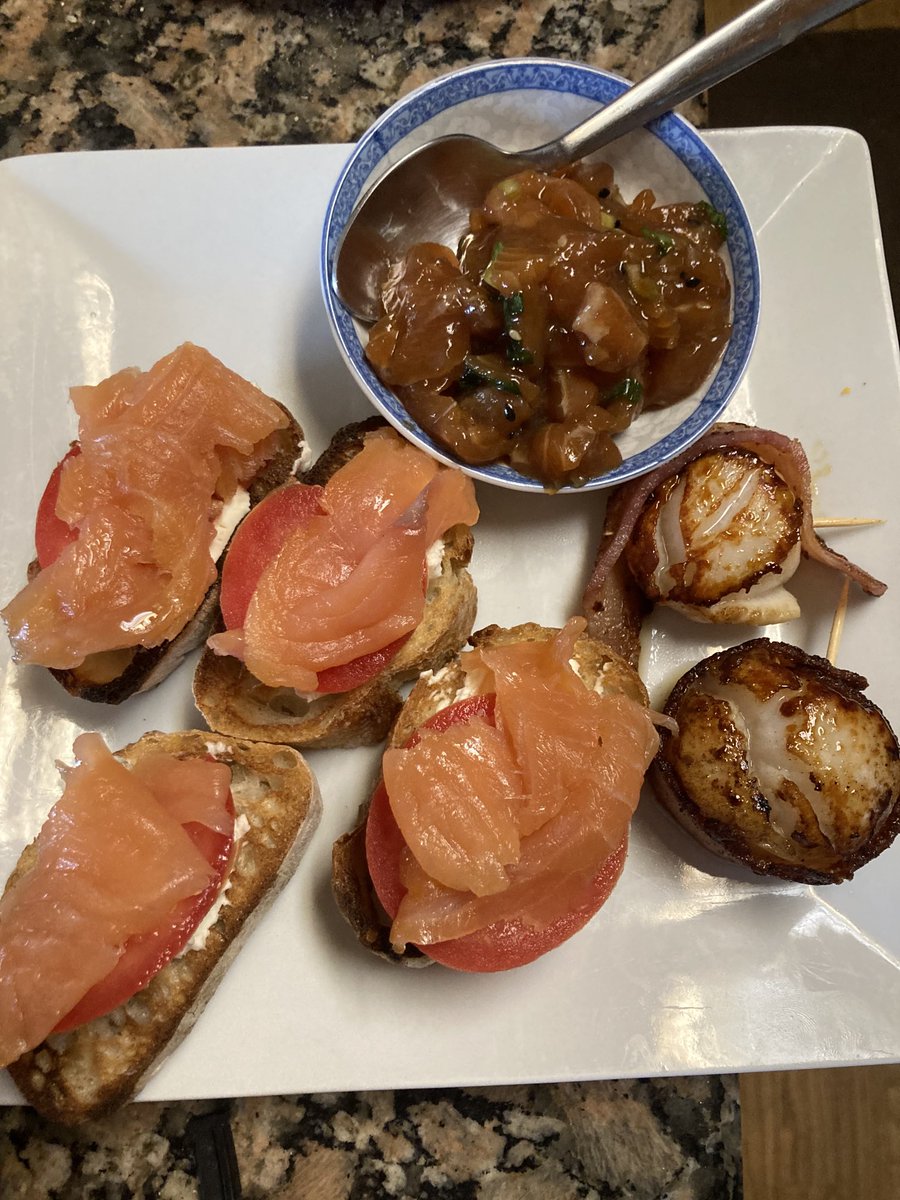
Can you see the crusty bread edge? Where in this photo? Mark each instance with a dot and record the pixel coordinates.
(436, 690)
(93, 1070)
(150, 666)
(596, 661)
(223, 688)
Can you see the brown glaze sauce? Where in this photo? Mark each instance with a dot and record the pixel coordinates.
(565, 313)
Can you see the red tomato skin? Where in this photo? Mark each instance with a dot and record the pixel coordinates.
(360, 670)
(384, 845)
(462, 710)
(505, 944)
(145, 955)
(258, 539)
(255, 543)
(51, 534)
(354, 674)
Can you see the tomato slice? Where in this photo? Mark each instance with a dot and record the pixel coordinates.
(384, 841)
(354, 674)
(144, 955)
(51, 534)
(257, 540)
(505, 944)
(456, 714)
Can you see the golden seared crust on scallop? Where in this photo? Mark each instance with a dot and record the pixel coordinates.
(76, 1076)
(435, 690)
(780, 763)
(714, 530)
(234, 702)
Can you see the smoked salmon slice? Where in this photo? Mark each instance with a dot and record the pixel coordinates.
(111, 861)
(161, 451)
(349, 581)
(517, 828)
(469, 775)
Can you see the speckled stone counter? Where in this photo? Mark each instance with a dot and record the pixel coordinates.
(81, 74)
(676, 1139)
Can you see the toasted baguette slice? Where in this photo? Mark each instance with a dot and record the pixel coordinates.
(235, 703)
(112, 677)
(600, 667)
(90, 1071)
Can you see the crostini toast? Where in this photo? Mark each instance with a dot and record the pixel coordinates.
(93, 1069)
(234, 702)
(600, 669)
(118, 485)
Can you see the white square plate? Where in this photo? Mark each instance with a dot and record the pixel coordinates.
(112, 259)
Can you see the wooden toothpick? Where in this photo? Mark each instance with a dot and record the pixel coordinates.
(837, 624)
(845, 522)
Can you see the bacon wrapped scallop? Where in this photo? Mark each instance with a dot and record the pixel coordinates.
(716, 533)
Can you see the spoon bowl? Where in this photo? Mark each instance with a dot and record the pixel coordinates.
(432, 191)
(522, 103)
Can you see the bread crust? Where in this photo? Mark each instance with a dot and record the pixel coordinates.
(234, 702)
(351, 885)
(149, 666)
(92, 1070)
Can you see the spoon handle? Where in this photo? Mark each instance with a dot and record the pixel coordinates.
(765, 27)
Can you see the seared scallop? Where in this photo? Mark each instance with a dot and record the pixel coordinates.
(719, 539)
(780, 762)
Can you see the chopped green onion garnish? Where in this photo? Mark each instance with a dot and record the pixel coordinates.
(664, 241)
(513, 306)
(475, 376)
(516, 353)
(717, 219)
(495, 254)
(628, 389)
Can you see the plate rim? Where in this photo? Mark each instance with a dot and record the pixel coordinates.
(160, 1091)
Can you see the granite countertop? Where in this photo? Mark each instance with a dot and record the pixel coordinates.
(676, 1139)
(80, 74)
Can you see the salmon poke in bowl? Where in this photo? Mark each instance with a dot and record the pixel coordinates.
(587, 324)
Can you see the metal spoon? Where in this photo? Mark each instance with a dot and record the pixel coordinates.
(428, 195)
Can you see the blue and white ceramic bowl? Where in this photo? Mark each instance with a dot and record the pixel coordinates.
(517, 104)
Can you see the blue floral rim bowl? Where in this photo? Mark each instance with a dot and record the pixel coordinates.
(517, 104)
